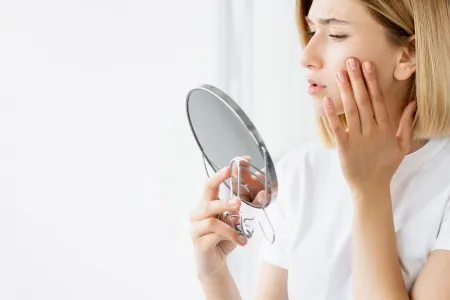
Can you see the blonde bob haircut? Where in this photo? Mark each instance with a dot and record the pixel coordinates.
(429, 21)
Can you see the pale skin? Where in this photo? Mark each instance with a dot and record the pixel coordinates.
(380, 119)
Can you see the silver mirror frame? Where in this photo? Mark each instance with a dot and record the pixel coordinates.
(269, 167)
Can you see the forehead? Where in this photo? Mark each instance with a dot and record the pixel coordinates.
(348, 10)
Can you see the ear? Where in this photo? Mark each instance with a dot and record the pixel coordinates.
(406, 65)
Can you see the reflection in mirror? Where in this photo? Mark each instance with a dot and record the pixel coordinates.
(252, 185)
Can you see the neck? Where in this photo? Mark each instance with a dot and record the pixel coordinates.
(416, 145)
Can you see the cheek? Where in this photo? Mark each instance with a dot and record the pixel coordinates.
(385, 77)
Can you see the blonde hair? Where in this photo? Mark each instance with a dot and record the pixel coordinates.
(429, 21)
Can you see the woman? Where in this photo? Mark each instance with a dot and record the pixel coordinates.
(368, 216)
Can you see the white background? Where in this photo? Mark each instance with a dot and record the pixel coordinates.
(98, 168)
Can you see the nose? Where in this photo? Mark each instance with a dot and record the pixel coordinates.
(311, 56)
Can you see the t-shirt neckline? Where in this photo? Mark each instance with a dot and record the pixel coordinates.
(426, 151)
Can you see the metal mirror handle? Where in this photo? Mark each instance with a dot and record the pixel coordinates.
(243, 226)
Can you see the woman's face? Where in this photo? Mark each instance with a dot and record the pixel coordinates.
(351, 32)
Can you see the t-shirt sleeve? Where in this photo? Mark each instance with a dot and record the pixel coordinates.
(277, 253)
(443, 238)
(278, 214)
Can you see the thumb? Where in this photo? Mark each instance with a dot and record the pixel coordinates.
(404, 133)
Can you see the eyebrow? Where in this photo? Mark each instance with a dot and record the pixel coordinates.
(330, 21)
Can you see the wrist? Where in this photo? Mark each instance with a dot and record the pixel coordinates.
(371, 193)
(219, 276)
(370, 202)
(220, 286)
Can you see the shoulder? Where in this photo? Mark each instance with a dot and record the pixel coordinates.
(301, 170)
(311, 157)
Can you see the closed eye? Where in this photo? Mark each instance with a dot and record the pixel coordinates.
(337, 37)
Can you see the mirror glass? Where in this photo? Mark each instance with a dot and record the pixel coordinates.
(224, 132)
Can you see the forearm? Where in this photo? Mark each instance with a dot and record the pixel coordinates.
(376, 268)
(220, 287)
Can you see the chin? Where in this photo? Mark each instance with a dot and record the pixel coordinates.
(319, 110)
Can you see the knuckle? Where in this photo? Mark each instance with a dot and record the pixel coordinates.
(370, 77)
(363, 103)
(371, 81)
(193, 232)
(355, 76)
(210, 223)
(334, 126)
(361, 95)
(347, 92)
(209, 184)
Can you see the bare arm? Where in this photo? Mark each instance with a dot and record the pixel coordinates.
(220, 287)
(272, 283)
(377, 274)
(433, 281)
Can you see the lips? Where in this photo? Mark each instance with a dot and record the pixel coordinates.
(315, 87)
(314, 83)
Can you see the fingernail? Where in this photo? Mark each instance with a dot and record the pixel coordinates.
(328, 102)
(233, 202)
(242, 239)
(352, 64)
(368, 66)
(224, 170)
(340, 76)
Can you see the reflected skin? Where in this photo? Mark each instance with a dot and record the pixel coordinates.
(252, 183)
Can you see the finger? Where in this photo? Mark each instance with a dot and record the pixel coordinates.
(336, 127)
(348, 101)
(361, 95)
(210, 209)
(378, 104)
(211, 240)
(404, 133)
(212, 186)
(212, 225)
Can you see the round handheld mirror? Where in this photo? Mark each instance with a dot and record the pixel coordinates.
(227, 137)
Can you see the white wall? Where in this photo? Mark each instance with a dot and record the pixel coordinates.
(98, 169)
(284, 112)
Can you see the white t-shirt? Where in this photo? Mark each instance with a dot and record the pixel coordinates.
(312, 218)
